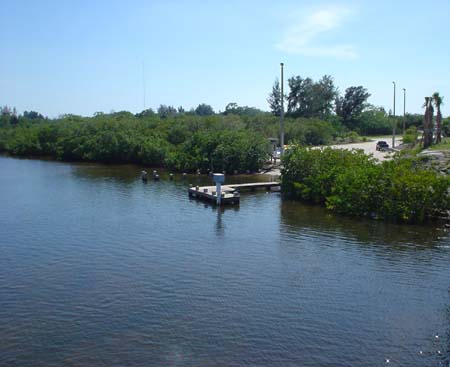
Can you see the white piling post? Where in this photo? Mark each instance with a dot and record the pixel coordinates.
(219, 179)
(219, 192)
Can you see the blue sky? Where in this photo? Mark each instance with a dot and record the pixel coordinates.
(86, 56)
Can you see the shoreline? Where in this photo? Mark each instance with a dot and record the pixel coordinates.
(272, 173)
(269, 172)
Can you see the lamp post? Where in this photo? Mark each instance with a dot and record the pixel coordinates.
(393, 128)
(404, 110)
(282, 113)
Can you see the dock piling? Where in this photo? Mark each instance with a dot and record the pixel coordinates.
(219, 179)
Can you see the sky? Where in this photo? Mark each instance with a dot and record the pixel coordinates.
(86, 56)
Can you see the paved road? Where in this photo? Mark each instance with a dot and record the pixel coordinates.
(369, 147)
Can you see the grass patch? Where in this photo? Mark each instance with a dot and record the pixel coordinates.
(444, 145)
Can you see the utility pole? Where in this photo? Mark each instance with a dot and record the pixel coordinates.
(393, 128)
(404, 110)
(282, 112)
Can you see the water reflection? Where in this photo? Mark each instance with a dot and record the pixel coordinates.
(447, 337)
(220, 228)
(220, 223)
(217, 211)
(130, 173)
(138, 274)
(310, 218)
(294, 216)
(125, 174)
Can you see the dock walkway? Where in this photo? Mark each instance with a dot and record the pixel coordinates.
(230, 193)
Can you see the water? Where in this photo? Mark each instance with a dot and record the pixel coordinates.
(99, 269)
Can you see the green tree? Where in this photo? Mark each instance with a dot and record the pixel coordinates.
(146, 113)
(350, 106)
(414, 119)
(373, 121)
(300, 96)
(166, 111)
(274, 99)
(204, 110)
(6, 111)
(32, 115)
(307, 98)
(233, 108)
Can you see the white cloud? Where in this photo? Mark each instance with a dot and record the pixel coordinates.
(302, 37)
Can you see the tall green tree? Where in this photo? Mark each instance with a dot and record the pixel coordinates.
(32, 115)
(327, 93)
(204, 110)
(274, 99)
(300, 96)
(350, 106)
(307, 98)
(166, 111)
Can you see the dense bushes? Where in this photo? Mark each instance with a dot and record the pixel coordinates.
(184, 143)
(352, 183)
(411, 135)
(310, 174)
(374, 122)
(309, 131)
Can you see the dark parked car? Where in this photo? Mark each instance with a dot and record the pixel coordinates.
(382, 145)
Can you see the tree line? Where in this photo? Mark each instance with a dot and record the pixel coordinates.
(203, 109)
(235, 139)
(322, 100)
(183, 143)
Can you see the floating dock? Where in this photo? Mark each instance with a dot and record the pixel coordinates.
(230, 193)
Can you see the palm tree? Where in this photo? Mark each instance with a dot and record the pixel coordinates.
(437, 99)
(428, 121)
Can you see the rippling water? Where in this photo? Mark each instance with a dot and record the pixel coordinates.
(99, 269)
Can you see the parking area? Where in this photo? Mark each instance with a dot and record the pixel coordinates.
(369, 147)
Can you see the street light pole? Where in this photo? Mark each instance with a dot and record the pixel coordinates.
(393, 128)
(282, 112)
(404, 110)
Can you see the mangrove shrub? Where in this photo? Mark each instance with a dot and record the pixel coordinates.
(353, 183)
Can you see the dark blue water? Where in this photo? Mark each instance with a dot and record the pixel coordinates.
(99, 269)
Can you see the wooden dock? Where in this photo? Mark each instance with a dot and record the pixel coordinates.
(230, 193)
(255, 185)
